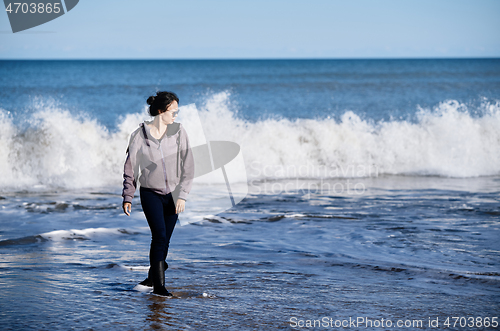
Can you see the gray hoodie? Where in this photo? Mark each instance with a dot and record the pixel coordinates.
(165, 165)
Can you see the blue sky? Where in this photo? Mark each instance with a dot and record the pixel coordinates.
(203, 29)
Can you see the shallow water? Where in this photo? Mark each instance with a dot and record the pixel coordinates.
(400, 252)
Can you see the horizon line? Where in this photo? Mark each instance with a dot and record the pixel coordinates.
(252, 59)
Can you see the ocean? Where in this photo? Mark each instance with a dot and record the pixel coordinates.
(367, 196)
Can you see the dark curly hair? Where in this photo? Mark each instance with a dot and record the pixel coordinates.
(160, 102)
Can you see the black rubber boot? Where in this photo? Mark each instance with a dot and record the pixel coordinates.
(158, 276)
(149, 280)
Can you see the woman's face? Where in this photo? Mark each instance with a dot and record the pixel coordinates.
(170, 114)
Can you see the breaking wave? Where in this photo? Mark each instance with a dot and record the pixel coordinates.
(60, 150)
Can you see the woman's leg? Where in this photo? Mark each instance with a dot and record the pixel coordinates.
(170, 219)
(152, 205)
(155, 207)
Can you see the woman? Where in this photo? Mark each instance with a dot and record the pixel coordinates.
(160, 155)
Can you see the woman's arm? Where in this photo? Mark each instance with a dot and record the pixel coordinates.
(129, 183)
(129, 173)
(187, 167)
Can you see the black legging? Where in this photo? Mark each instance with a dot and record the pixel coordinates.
(160, 214)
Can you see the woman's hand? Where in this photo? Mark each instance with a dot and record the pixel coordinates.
(127, 208)
(179, 206)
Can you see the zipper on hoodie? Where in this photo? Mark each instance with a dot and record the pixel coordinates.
(161, 151)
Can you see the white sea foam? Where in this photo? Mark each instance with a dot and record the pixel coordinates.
(88, 234)
(59, 149)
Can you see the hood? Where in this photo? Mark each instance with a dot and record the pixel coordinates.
(172, 129)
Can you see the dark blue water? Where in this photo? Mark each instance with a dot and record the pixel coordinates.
(375, 89)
